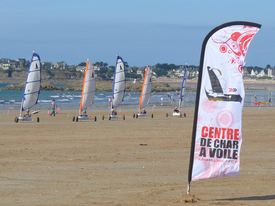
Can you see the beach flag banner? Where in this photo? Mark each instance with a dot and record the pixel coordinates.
(217, 136)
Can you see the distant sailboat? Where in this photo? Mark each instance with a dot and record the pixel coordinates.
(145, 93)
(88, 92)
(119, 85)
(32, 89)
(182, 94)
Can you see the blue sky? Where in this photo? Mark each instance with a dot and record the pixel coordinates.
(141, 31)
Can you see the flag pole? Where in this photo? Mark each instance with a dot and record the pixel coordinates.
(196, 114)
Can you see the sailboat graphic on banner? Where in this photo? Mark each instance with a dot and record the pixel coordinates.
(217, 93)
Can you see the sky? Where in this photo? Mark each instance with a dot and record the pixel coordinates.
(142, 32)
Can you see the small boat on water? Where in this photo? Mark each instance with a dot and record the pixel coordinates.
(88, 93)
(119, 85)
(177, 111)
(32, 89)
(260, 103)
(145, 93)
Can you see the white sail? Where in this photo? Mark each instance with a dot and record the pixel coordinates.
(33, 82)
(88, 91)
(119, 83)
(146, 89)
(182, 93)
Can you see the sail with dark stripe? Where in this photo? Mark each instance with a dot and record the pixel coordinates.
(119, 82)
(33, 82)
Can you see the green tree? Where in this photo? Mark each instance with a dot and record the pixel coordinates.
(126, 64)
(134, 76)
(160, 72)
(134, 69)
(110, 73)
(9, 71)
(82, 64)
(112, 68)
(99, 64)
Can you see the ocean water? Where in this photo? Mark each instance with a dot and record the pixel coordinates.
(70, 100)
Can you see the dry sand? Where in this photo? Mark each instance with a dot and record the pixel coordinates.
(140, 161)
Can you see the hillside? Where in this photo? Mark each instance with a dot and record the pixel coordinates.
(104, 86)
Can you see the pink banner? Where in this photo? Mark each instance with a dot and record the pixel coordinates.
(217, 135)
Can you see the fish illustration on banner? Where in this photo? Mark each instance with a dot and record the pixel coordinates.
(217, 135)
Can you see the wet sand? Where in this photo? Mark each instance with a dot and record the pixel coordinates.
(140, 161)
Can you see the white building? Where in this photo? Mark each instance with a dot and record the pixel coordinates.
(261, 74)
(270, 72)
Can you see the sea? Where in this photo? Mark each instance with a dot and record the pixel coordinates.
(70, 100)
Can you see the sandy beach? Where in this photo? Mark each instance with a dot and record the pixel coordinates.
(140, 161)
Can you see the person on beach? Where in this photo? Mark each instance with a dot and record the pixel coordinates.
(176, 110)
(27, 114)
(255, 98)
(84, 113)
(53, 106)
(113, 112)
(143, 111)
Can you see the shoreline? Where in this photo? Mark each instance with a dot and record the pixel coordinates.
(124, 109)
(172, 87)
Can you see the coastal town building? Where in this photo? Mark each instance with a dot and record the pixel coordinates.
(270, 72)
(60, 65)
(101, 68)
(96, 68)
(48, 65)
(22, 62)
(81, 69)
